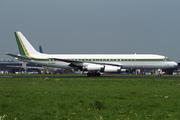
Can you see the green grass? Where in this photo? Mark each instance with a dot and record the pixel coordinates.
(89, 98)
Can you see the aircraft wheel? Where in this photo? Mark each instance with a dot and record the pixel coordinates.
(98, 74)
(89, 74)
(159, 75)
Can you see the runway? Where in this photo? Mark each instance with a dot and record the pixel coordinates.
(80, 76)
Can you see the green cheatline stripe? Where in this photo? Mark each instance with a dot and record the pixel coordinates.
(108, 60)
(39, 59)
(21, 50)
(151, 60)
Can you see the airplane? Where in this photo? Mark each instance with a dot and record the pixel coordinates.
(94, 64)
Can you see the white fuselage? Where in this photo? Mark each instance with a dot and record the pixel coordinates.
(126, 61)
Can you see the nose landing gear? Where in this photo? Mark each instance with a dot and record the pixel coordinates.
(160, 73)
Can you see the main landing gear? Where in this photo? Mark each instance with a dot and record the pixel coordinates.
(93, 74)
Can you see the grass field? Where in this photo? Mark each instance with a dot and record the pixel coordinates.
(89, 98)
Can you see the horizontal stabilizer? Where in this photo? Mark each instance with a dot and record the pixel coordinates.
(19, 57)
(24, 67)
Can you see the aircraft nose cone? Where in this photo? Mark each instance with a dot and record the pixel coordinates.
(175, 64)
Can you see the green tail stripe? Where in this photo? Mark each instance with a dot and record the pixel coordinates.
(21, 50)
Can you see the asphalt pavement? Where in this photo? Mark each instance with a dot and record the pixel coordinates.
(80, 76)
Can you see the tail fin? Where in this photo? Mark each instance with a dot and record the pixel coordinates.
(40, 49)
(25, 48)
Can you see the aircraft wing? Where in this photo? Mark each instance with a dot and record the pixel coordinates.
(19, 57)
(74, 62)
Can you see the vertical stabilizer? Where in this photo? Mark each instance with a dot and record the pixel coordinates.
(40, 49)
(25, 48)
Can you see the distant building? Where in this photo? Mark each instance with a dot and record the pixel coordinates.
(11, 66)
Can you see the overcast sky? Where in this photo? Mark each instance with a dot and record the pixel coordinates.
(93, 26)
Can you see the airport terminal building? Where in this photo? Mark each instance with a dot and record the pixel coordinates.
(8, 66)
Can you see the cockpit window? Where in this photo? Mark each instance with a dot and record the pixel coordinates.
(166, 58)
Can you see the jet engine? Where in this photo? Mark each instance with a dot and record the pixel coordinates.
(109, 68)
(102, 68)
(93, 67)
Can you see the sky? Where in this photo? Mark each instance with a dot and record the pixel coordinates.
(92, 26)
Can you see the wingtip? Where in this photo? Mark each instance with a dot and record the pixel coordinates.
(6, 53)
